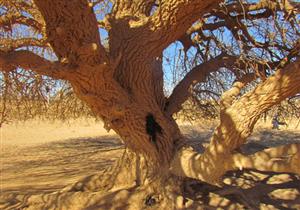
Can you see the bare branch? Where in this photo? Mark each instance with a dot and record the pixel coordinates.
(198, 74)
(173, 18)
(28, 60)
(8, 44)
(6, 21)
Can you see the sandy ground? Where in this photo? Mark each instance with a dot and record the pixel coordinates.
(44, 156)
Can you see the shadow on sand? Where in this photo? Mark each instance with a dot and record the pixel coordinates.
(51, 166)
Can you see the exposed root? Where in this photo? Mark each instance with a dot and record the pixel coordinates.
(246, 189)
(215, 162)
(254, 187)
(284, 158)
(129, 185)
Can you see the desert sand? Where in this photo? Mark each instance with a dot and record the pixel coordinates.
(45, 156)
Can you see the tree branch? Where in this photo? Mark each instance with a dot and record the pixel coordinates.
(230, 95)
(173, 18)
(232, 15)
(212, 165)
(28, 60)
(277, 159)
(72, 31)
(198, 74)
(6, 21)
(9, 44)
(242, 115)
(236, 126)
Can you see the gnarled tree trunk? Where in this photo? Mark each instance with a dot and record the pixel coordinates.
(138, 118)
(124, 86)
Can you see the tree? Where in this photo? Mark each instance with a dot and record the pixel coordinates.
(122, 80)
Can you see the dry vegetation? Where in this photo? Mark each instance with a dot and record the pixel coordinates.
(145, 68)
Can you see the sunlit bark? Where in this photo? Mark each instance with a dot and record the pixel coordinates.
(236, 125)
(123, 84)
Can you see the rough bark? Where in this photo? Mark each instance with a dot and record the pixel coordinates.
(122, 90)
(28, 60)
(123, 84)
(129, 117)
(236, 125)
(72, 43)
